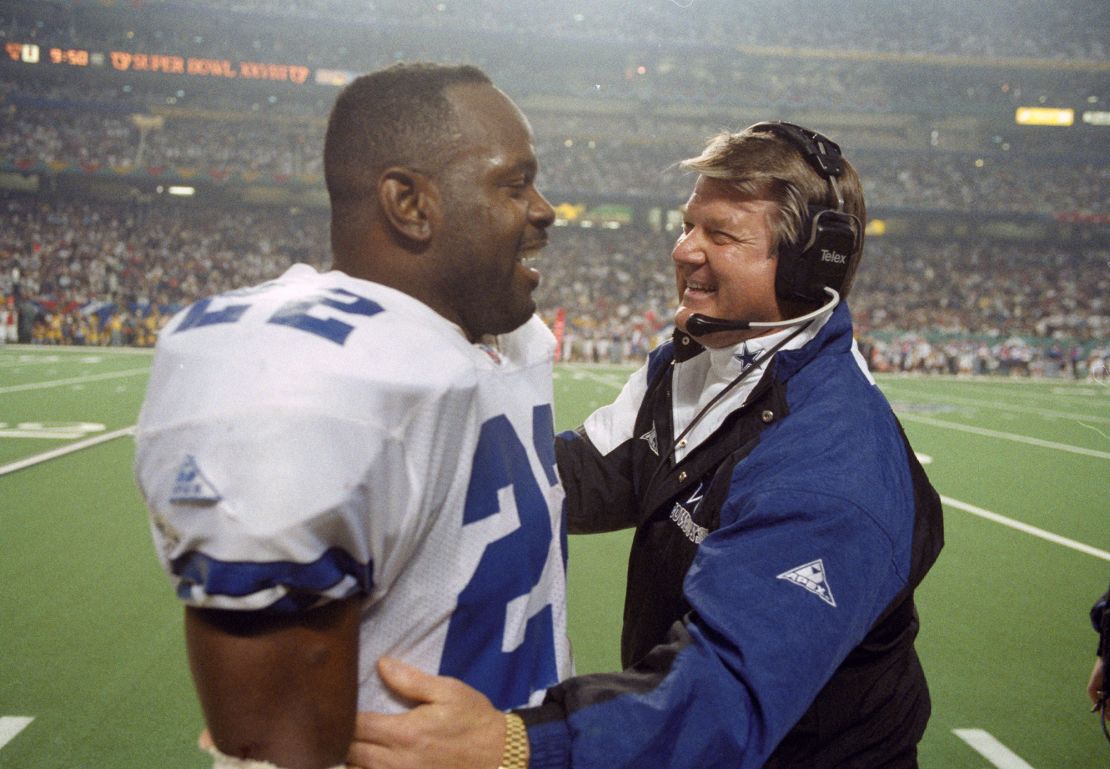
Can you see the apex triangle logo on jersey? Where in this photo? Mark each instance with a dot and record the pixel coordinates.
(811, 576)
(652, 440)
(190, 485)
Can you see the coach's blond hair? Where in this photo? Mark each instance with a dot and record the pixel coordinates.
(761, 165)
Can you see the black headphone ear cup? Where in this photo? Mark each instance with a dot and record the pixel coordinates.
(821, 258)
(829, 238)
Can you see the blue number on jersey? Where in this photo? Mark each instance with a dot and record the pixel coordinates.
(198, 315)
(293, 314)
(510, 567)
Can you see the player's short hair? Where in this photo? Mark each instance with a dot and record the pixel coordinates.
(396, 116)
(762, 165)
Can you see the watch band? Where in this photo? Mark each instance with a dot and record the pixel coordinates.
(515, 755)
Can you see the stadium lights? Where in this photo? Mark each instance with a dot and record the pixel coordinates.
(147, 122)
(1096, 117)
(335, 77)
(185, 192)
(1047, 116)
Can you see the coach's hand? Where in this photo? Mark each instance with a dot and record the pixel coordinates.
(452, 727)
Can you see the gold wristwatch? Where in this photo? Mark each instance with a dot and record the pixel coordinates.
(515, 755)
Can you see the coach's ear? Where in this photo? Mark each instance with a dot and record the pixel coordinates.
(409, 201)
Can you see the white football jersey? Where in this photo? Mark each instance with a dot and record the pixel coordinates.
(320, 436)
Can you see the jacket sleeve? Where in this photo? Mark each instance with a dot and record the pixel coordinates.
(780, 595)
(595, 464)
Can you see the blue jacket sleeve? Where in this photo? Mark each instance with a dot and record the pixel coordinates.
(780, 594)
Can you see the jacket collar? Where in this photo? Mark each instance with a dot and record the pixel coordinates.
(834, 337)
(836, 334)
(685, 347)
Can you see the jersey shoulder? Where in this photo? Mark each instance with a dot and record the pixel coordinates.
(303, 342)
(532, 342)
(327, 315)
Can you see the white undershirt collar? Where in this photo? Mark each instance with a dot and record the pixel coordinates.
(698, 380)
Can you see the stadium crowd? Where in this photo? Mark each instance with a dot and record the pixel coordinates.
(606, 157)
(79, 268)
(109, 273)
(998, 28)
(101, 273)
(703, 80)
(93, 140)
(845, 65)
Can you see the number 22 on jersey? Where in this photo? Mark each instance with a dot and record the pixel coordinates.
(507, 581)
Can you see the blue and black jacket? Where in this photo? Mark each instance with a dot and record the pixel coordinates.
(769, 617)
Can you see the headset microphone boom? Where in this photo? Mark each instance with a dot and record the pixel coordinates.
(700, 325)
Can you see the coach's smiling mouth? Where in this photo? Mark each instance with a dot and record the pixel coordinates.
(699, 290)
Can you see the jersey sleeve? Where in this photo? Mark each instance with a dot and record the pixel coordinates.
(282, 498)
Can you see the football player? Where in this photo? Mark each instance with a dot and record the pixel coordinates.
(360, 463)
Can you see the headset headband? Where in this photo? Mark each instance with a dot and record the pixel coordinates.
(821, 257)
(821, 152)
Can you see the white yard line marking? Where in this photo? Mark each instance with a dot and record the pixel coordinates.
(27, 350)
(9, 361)
(980, 381)
(1081, 392)
(615, 381)
(1085, 397)
(26, 361)
(999, 406)
(62, 451)
(74, 380)
(1091, 427)
(69, 431)
(10, 726)
(1005, 436)
(1026, 528)
(985, 744)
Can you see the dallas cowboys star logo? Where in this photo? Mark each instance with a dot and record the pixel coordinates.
(746, 357)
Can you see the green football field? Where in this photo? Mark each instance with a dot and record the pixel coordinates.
(92, 664)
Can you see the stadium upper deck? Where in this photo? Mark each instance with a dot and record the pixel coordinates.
(1076, 29)
(231, 97)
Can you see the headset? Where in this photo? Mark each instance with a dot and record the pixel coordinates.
(814, 268)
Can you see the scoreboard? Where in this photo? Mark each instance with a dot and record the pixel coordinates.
(174, 64)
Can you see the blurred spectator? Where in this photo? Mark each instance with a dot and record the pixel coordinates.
(110, 273)
(584, 156)
(648, 81)
(95, 271)
(998, 28)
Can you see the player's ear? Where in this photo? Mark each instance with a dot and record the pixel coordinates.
(409, 201)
